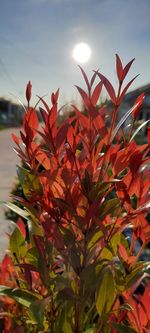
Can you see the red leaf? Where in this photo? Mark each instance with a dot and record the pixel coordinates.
(126, 88)
(96, 93)
(44, 115)
(139, 233)
(31, 122)
(70, 136)
(53, 116)
(138, 103)
(20, 154)
(123, 253)
(122, 192)
(99, 125)
(135, 161)
(109, 87)
(28, 278)
(92, 111)
(92, 210)
(61, 135)
(28, 91)
(21, 227)
(39, 245)
(23, 137)
(126, 69)
(44, 103)
(137, 317)
(41, 156)
(15, 139)
(148, 134)
(54, 97)
(83, 120)
(84, 96)
(135, 186)
(119, 68)
(93, 78)
(30, 267)
(6, 262)
(19, 329)
(145, 299)
(85, 78)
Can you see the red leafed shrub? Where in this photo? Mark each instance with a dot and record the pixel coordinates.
(71, 268)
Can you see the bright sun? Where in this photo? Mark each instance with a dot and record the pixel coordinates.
(81, 53)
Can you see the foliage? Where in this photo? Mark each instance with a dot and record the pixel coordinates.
(83, 186)
(16, 191)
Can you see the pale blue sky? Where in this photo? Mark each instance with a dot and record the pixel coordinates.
(37, 38)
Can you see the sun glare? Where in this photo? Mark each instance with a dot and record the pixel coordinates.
(81, 53)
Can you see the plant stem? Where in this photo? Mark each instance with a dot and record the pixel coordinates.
(114, 114)
(78, 311)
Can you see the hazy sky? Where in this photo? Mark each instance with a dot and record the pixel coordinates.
(37, 38)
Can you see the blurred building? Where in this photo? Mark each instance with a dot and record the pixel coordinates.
(11, 114)
(130, 98)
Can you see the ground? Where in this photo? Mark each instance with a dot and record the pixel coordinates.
(8, 161)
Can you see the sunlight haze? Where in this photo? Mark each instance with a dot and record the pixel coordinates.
(37, 38)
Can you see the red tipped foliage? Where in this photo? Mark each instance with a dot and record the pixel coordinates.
(138, 103)
(119, 68)
(127, 68)
(125, 89)
(122, 72)
(71, 267)
(109, 87)
(148, 134)
(96, 93)
(28, 91)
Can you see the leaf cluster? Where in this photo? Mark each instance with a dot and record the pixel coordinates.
(71, 268)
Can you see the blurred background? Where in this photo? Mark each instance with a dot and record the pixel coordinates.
(37, 43)
(37, 38)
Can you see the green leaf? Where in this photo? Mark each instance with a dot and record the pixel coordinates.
(24, 297)
(66, 326)
(21, 296)
(17, 244)
(117, 239)
(94, 237)
(136, 273)
(43, 271)
(87, 182)
(32, 256)
(21, 212)
(34, 227)
(105, 293)
(94, 273)
(65, 318)
(114, 242)
(109, 206)
(64, 205)
(127, 307)
(98, 190)
(120, 274)
(37, 309)
(68, 237)
(66, 294)
(75, 258)
(29, 182)
(106, 254)
(61, 282)
(123, 328)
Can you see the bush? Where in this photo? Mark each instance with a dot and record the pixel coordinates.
(16, 191)
(83, 186)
